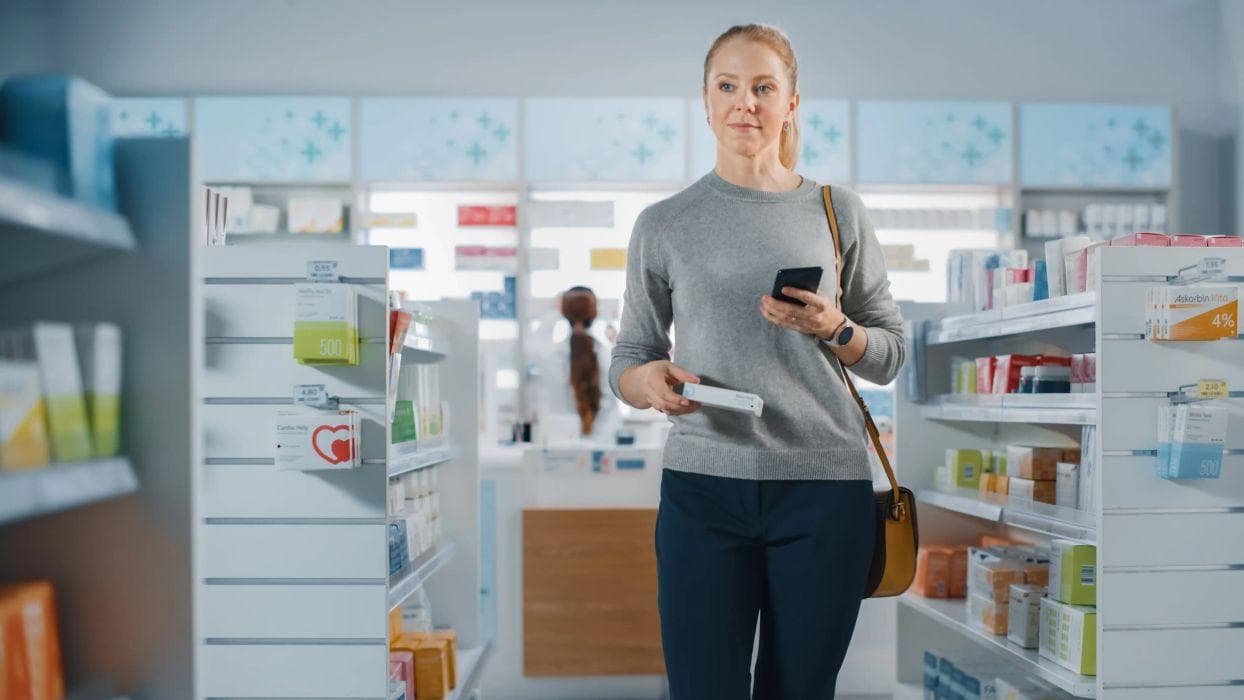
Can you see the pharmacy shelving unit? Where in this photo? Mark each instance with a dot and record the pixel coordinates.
(111, 534)
(291, 583)
(1170, 617)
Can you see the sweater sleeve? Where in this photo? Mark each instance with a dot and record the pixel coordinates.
(866, 298)
(647, 310)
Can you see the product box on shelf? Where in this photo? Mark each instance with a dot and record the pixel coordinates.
(1224, 242)
(1191, 312)
(1073, 573)
(987, 613)
(23, 432)
(1031, 462)
(1067, 485)
(68, 425)
(314, 215)
(1007, 371)
(932, 572)
(326, 324)
(99, 351)
(30, 665)
(432, 669)
(964, 467)
(311, 439)
(991, 576)
(984, 374)
(1191, 441)
(64, 121)
(1068, 635)
(1189, 240)
(1142, 239)
(1040, 490)
(1024, 616)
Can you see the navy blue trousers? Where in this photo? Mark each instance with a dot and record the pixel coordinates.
(794, 553)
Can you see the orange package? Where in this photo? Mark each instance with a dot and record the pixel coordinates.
(30, 665)
(432, 669)
(1037, 574)
(395, 624)
(958, 571)
(988, 540)
(932, 572)
(451, 651)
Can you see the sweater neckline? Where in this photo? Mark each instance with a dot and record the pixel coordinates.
(729, 189)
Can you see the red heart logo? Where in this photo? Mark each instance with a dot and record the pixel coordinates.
(340, 449)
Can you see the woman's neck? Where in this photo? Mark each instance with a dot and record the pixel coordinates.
(765, 173)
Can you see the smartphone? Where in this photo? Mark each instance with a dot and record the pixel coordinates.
(808, 278)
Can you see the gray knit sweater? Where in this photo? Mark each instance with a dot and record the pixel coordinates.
(701, 260)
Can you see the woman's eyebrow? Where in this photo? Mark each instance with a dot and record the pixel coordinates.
(766, 76)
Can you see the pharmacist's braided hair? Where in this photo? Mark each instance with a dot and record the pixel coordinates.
(579, 307)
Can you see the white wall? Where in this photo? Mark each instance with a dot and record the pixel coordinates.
(1231, 87)
(25, 33)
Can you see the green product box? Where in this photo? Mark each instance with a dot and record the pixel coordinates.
(1073, 573)
(326, 343)
(964, 467)
(1069, 636)
(405, 424)
(997, 462)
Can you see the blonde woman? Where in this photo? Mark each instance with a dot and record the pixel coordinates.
(765, 520)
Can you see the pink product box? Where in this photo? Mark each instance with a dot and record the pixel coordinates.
(1081, 269)
(402, 667)
(1188, 240)
(1224, 242)
(1084, 373)
(1160, 240)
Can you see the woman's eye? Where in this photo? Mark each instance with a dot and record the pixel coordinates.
(726, 87)
(764, 89)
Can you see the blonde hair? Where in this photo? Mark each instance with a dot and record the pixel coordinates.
(775, 39)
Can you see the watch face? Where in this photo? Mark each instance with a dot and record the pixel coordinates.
(845, 335)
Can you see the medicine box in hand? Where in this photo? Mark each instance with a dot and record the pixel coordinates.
(722, 398)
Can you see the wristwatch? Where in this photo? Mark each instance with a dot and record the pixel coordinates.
(841, 335)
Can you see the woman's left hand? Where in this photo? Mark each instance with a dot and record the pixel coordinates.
(818, 318)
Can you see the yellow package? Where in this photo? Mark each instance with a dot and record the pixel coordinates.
(1195, 313)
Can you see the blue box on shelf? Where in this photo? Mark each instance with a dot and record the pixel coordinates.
(66, 121)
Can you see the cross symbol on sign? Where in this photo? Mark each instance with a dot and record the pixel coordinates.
(833, 134)
(335, 131)
(971, 155)
(650, 121)
(476, 153)
(319, 120)
(641, 153)
(815, 122)
(667, 133)
(311, 152)
(979, 123)
(171, 130)
(1140, 127)
(995, 135)
(484, 120)
(501, 132)
(1133, 159)
(154, 120)
(1157, 140)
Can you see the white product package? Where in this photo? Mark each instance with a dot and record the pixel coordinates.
(722, 398)
(311, 439)
(1054, 268)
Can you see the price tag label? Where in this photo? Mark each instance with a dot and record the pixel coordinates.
(1211, 389)
(322, 271)
(1212, 266)
(310, 395)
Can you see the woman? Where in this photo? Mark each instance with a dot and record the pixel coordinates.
(767, 516)
(578, 305)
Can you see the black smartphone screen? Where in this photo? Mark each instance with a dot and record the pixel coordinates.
(808, 278)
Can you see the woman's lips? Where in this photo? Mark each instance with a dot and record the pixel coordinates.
(743, 127)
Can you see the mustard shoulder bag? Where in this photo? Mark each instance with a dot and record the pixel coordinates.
(894, 556)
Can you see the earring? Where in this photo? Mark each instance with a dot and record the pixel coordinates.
(785, 126)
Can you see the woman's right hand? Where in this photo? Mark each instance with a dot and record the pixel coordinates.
(654, 383)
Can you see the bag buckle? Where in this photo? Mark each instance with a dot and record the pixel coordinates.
(898, 511)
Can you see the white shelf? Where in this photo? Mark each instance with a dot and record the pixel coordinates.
(57, 487)
(908, 691)
(424, 350)
(1033, 516)
(415, 455)
(953, 614)
(1055, 409)
(1059, 312)
(40, 231)
(405, 582)
(470, 669)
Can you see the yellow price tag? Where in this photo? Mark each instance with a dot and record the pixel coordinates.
(1211, 388)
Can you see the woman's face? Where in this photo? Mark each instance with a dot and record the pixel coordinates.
(748, 97)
